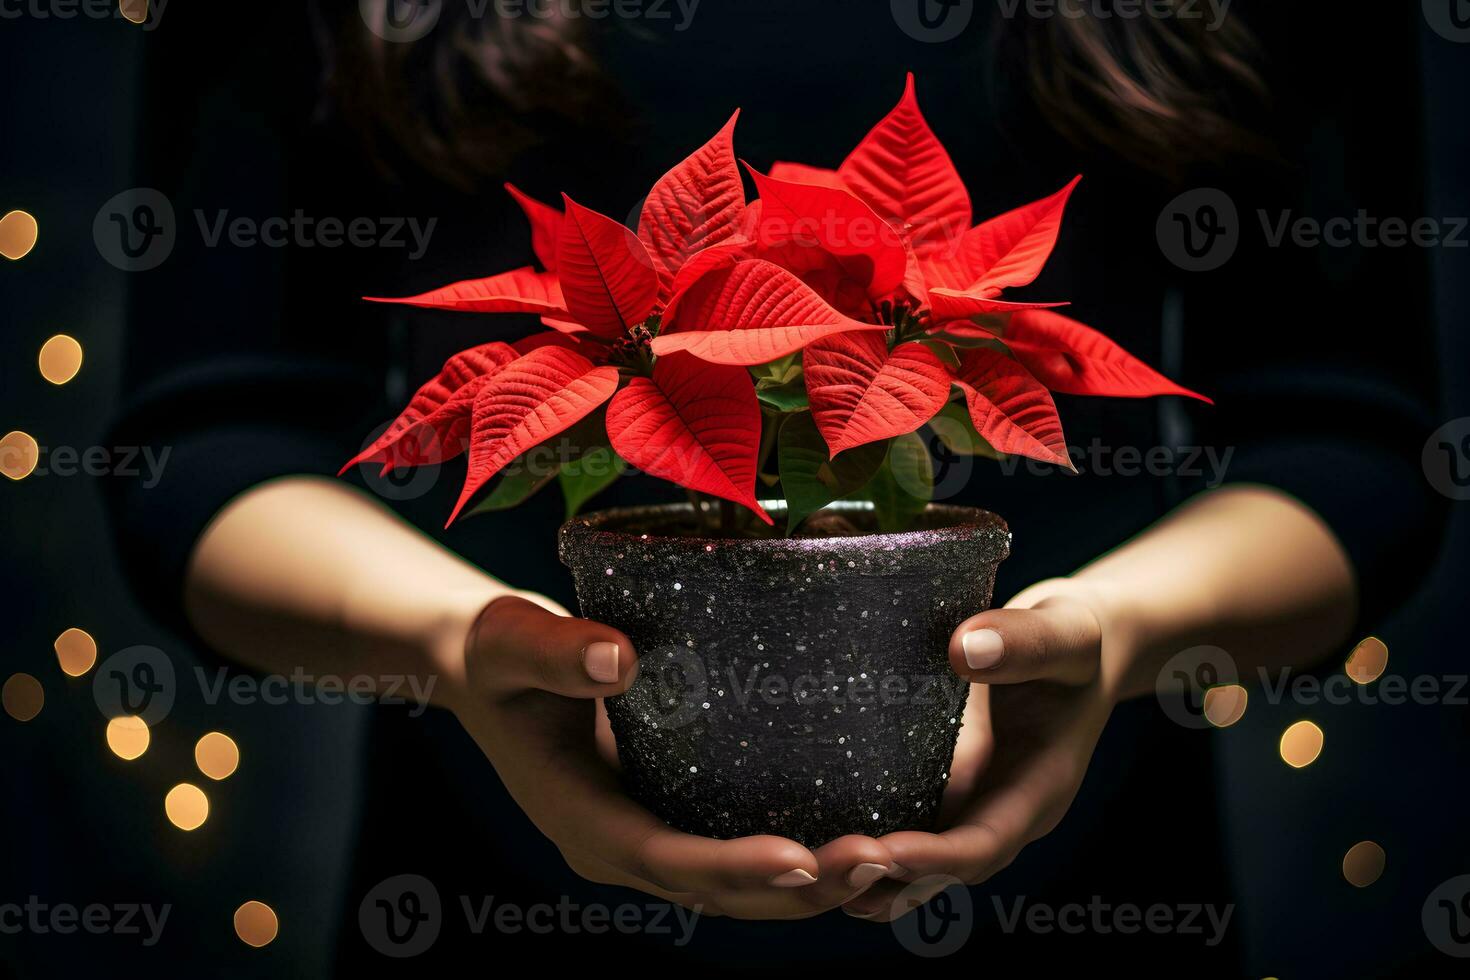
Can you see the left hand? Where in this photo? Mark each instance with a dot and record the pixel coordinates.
(1039, 699)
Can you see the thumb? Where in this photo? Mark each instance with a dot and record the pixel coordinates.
(518, 645)
(1058, 639)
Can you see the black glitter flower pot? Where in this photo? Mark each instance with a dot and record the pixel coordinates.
(792, 686)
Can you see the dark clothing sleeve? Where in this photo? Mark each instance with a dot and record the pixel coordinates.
(1321, 357)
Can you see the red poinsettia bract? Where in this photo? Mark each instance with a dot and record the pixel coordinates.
(604, 291)
(890, 232)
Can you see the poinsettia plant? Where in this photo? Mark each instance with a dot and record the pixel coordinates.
(798, 340)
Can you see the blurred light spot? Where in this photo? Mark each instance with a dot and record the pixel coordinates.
(23, 697)
(1301, 744)
(1368, 661)
(127, 736)
(1225, 705)
(256, 924)
(18, 455)
(76, 651)
(18, 232)
(187, 806)
(61, 359)
(217, 755)
(135, 11)
(1363, 864)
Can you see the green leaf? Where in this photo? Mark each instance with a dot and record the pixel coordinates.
(785, 398)
(957, 431)
(810, 478)
(781, 385)
(582, 479)
(518, 482)
(903, 485)
(944, 351)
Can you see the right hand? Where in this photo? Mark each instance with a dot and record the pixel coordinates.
(531, 695)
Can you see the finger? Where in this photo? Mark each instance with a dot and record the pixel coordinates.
(890, 899)
(1058, 640)
(848, 866)
(684, 862)
(518, 645)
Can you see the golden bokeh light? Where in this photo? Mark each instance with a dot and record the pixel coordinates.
(135, 11)
(187, 806)
(1363, 864)
(18, 455)
(23, 697)
(60, 359)
(1225, 705)
(18, 232)
(1368, 661)
(1301, 744)
(76, 651)
(127, 737)
(256, 924)
(217, 755)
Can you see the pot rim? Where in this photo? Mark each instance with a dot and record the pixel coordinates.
(964, 524)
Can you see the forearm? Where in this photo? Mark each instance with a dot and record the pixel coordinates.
(306, 573)
(1244, 568)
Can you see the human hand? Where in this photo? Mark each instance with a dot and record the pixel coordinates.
(1040, 698)
(530, 695)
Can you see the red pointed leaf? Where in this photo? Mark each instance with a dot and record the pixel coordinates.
(860, 392)
(1010, 250)
(904, 172)
(581, 343)
(1075, 359)
(695, 424)
(527, 402)
(750, 313)
(420, 435)
(546, 222)
(833, 221)
(720, 256)
(951, 304)
(606, 274)
(1010, 408)
(693, 206)
(521, 290)
(801, 173)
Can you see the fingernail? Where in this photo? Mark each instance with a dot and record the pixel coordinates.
(983, 648)
(601, 662)
(860, 915)
(865, 874)
(795, 878)
(897, 871)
